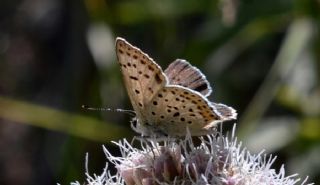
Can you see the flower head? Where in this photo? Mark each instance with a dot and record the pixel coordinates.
(216, 160)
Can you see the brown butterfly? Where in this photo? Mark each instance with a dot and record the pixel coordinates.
(167, 103)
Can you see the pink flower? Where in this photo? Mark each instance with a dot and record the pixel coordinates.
(216, 160)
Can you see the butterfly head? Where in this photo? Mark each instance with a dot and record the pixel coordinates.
(137, 127)
(146, 129)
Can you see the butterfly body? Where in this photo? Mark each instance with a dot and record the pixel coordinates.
(168, 103)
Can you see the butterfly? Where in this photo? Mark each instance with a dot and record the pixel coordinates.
(170, 102)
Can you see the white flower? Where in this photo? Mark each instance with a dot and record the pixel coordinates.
(215, 160)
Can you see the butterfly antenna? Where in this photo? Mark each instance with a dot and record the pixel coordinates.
(130, 112)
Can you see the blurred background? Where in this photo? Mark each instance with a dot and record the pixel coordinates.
(261, 57)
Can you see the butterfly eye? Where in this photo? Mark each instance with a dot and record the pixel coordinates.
(134, 123)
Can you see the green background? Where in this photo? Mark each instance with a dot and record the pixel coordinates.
(261, 57)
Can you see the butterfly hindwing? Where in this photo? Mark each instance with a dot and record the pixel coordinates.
(181, 72)
(175, 108)
(226, 112)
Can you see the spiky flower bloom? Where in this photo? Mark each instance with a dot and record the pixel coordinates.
(216, 160)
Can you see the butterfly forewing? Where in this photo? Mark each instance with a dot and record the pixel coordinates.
(142, 76)
(180, 72)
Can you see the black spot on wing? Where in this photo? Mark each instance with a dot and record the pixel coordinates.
(133, 78)
(158, 79)
(176, 114)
